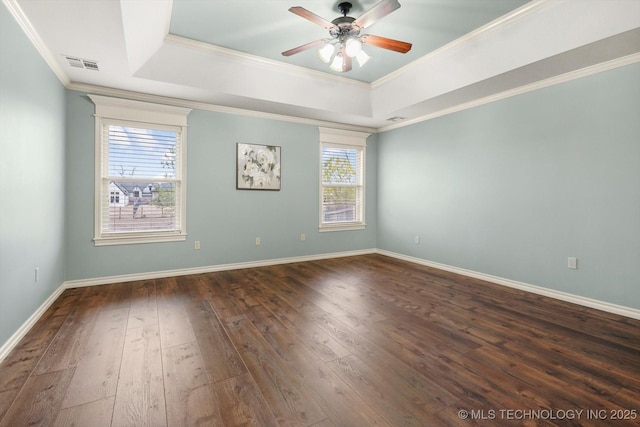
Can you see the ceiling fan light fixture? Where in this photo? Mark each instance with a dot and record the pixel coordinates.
(362, 58)
(326, 52)
(352, 47)
(338, 63)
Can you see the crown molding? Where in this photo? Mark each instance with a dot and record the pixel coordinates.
(534, 5)
(222, 51)
(24, 23)
(514, 15)
(145, 97)
(561, 78)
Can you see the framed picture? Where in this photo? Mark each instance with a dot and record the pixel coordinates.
(257, 167)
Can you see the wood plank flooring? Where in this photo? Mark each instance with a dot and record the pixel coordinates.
(358, 341)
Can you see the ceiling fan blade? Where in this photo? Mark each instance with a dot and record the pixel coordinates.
(377, 12)
(385, 43)
(301, 11)
(304, 47)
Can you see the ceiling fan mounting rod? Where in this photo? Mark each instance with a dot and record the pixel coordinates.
(344, 8)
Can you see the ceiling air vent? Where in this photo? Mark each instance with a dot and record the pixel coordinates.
(90, 65)
(82, 63)
(395, 119)
(75, 62)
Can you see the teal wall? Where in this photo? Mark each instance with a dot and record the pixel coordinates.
(32, 165)
(511, 189)
(514, 187)
(226, 221)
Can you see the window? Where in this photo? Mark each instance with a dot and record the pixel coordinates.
(139, 146)
(342, 179)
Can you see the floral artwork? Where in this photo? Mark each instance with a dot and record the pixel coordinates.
(258, 167)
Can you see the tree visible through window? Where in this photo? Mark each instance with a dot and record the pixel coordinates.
(340, 185)
(141, 161)
(342, 179)
(140, 181)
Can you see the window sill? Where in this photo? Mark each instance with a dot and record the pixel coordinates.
(134, 239)
(342, 227)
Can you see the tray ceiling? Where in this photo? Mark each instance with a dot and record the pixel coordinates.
(225, 55)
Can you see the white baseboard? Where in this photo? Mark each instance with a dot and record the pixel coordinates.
(563, 296)
(26, 326)
(576, 299)
(209, 269)
(22, 331)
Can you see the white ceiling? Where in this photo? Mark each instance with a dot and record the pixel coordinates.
(225, 55)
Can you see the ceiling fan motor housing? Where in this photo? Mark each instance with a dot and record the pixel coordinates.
(344, 27)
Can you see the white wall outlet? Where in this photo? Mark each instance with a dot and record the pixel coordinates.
(257, 241)
(417, 240)
(196, 245)
(303, 237)
(572, 263)
(36, 273)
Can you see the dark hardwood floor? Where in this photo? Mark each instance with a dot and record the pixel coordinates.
(358, 341)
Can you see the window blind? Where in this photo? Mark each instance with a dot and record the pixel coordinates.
(141, 179)
(342, 184)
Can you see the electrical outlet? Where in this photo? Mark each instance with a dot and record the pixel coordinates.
(572, 263)
(417, 240)
(36, 274)
(257, 241)
(303, 237)
(196, 245)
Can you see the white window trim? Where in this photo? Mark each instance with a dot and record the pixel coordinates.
(346, 138)
(146, 113)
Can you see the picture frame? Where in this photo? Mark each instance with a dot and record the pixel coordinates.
(258, 167)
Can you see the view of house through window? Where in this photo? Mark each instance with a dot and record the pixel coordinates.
(141, 179)
(140, 172)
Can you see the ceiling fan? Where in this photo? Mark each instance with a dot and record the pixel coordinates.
(346, 42)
